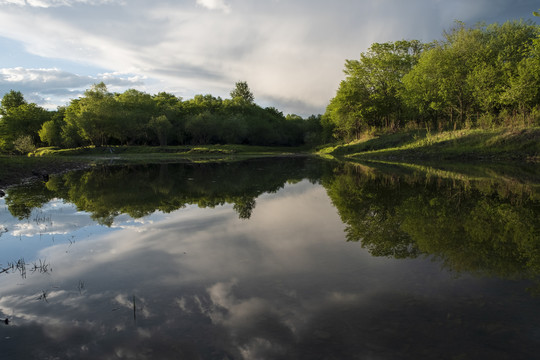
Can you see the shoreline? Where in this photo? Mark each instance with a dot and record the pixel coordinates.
(508, 145)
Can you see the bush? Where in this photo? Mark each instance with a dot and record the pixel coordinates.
(24, 144)
(486, 121)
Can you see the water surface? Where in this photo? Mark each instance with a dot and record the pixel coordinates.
(269, 259)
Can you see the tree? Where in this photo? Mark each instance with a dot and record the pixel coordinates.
(161, 126)
(92, 115)
(13, 99)
(369, 95)
(242, 93)
(19, 119)
(134, 110)
(51, 131)
(475, 69)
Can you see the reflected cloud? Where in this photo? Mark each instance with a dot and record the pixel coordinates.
(202, 283)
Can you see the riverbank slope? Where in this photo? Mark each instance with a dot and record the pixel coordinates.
(509, 144)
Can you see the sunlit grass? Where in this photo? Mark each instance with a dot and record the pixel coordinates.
(179, 150)
(507, 144)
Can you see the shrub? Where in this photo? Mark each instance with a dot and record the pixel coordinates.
(24, 144)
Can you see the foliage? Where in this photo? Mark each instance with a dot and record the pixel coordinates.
(101, 118)
(242, 93)
(474, 74)
(24, 144)
(19, 119)
(13, 99)
(369, 96)
(488, 226)
(107, 191)
(161, 127)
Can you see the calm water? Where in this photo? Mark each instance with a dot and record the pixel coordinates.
(289, 258)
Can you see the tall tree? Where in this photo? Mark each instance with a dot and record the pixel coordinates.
(12, 100)
(93, 114)
(51, 131)
(369, 95)
(472, 70)
(134, 110)
(242, 93)
(20, 119)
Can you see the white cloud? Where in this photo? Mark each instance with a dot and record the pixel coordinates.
(50, 86)
(215, 5)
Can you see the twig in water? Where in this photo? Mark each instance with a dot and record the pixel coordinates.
(80, 286)
(43, 296)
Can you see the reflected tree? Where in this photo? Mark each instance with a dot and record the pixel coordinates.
(139, 190)
(479, 227)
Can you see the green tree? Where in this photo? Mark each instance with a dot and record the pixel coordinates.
(13, 99)
(134, 110)
(161, 126)
(369, 95)
(242, 93)
(93, 115)
(19, 119)
(172, 107)
(51, 131)
(481, 69)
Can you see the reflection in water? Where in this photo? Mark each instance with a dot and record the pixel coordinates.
(139, 190)
(193, 279)
(482, 226)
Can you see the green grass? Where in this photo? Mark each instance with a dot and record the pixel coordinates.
(13, 169)
(120, 151)
(49, 160)
(500, 144)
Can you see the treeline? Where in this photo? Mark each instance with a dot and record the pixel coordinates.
(481, 76)
(103, 118)
(485, 76)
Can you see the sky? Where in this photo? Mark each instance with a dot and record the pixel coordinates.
(290, 52)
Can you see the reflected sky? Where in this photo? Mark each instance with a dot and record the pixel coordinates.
(201, 283)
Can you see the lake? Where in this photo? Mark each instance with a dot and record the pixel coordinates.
(275, 258)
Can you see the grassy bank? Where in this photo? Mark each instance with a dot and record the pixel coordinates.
(165, 151)
(14, 169)
(457, 146)
(44, 161)
(498, 145)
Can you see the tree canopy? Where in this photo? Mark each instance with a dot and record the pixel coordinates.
(242, 92)
(484, 75)
(479, 76)
(101, 118)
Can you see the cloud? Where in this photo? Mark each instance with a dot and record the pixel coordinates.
(45, 85)
(55, 3)
(215, 5)
(53, 79)
(291, 53)
(204, 284)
